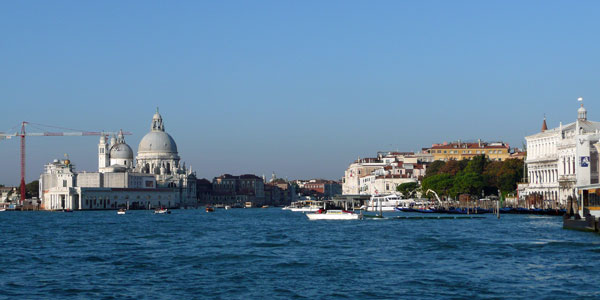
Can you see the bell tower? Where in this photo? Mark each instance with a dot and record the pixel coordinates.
(103, 153)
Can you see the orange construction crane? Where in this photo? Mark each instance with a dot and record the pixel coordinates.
(23, 134)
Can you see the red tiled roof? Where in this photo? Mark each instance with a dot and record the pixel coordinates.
(469, 146)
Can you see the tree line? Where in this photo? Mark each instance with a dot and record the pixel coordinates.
(477, 176)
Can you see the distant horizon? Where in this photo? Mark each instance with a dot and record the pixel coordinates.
(297, 88)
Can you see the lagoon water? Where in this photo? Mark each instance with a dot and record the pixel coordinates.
(275, 254)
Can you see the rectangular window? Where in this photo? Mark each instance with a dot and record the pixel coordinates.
(64, 183)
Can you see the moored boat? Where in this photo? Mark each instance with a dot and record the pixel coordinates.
(387, 203)
(334, 215)
(210, 209)
(162, 211)
(121, 211)
(305, 206)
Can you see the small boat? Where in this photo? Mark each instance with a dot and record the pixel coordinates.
(423, 210)
(162, 211)
(121, 211)
(387, 203)
(67, 210)
(334, 215)
(265, 206)
(210, 209)
(227, 207)
(403, 209)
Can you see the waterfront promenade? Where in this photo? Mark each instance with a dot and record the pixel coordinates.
(276, 254)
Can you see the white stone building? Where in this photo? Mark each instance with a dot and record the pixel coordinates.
(561, 158)
(381, 175)
(157, 180)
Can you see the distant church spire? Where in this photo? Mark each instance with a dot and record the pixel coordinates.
(544, 125)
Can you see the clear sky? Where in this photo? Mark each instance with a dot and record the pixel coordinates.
(297, 87)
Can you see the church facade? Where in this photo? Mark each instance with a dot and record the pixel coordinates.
(156, 178)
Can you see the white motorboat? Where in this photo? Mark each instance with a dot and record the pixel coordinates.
(334, 215)
(227, 207)
(2, 209)
(387, 203)
(305, 206)
(162, 211)
(121, 211)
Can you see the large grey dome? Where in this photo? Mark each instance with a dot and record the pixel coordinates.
(121, 151)
(157, 142)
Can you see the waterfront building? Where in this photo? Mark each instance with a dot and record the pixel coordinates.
(498, 151)
(286, 191)
(237, 190)
(384, 173)
(156, 180)
(203, 191)
(383, 184)
(323, 188)
(560, 159)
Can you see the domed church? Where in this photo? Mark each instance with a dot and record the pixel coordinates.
(157, 155)
(157, 178)
(157, 152)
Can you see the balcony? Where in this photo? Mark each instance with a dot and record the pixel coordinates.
(567, 178)
(542, 158)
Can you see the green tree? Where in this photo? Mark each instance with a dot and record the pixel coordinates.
(467, 183)
(440, 183)
(31, 189)
(434, 168)
(452, 167)
(476, 165)
(408, 189)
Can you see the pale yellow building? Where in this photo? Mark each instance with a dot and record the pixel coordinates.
(458, 151)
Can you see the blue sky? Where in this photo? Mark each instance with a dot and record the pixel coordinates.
(297, 87)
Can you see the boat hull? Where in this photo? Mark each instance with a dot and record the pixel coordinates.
(334, 216)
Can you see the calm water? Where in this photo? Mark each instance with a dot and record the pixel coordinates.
(270, 253)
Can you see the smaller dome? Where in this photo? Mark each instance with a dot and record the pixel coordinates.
(121, 151)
